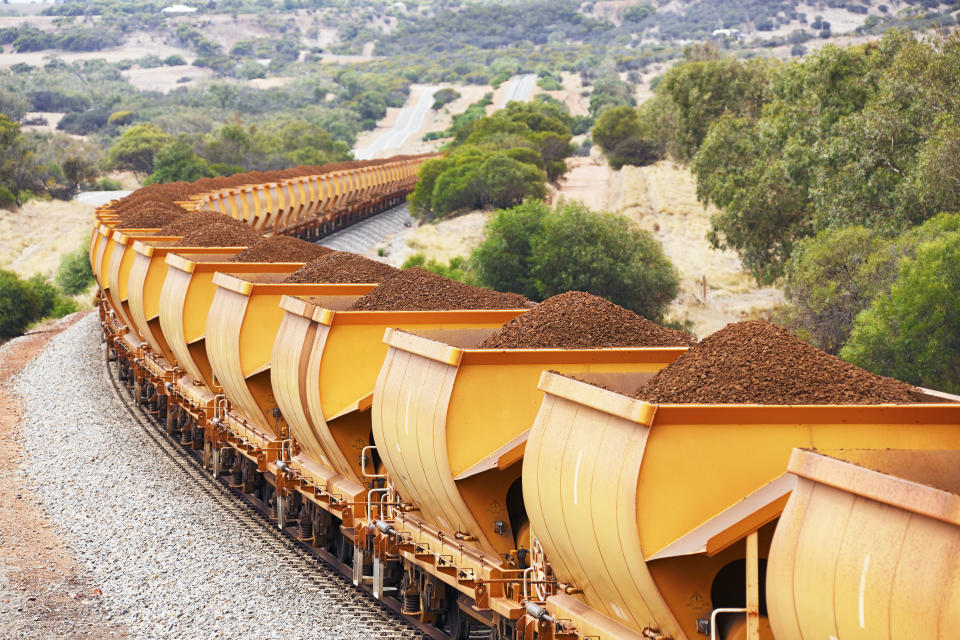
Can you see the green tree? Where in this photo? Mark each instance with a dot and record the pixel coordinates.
(137, 146)
(914, 332)
(20, 304)
(502, 260)
(624, 138)
(704, 90)
(74, 275)
(497, 160)
(606, 255)
(505, 182)
(610, 91)
(828, 281)
(13, 105)
(421, 198)
(21, 173)
(78, 160)
(833, 276)
(889, 163)
(178, 162)
(741, 169)
(304, 143)
(234, 144)
(540, 252)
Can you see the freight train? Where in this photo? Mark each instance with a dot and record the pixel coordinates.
(521, 493)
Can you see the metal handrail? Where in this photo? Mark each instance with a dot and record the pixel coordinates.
(713, 618)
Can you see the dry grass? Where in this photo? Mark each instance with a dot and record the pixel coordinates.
(165, 79)
(440, 241)
(591, 181)
(33, 239)
(714, 288)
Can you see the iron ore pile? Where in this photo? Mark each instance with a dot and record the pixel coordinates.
(342, 266)
(281, 249)
(166, 555)
(209, 229)
(219, 235)
(416, 289)
(189, 222)
(150, 214)
(578, 320)
(756, 362)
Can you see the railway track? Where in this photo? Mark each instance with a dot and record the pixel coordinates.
(324, 574)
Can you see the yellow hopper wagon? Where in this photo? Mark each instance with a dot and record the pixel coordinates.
(451, 424)
(884, 525)
(242, 324)
(662, 514)
(122, 256)
(326, 362)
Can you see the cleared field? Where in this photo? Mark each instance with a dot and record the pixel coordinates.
(34, 238)
(714, 288)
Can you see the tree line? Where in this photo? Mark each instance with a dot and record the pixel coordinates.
(496, 161)
(829, 174)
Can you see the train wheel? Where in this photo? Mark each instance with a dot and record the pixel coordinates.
(460, 625)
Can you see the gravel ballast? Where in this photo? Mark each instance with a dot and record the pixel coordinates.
(168, 557)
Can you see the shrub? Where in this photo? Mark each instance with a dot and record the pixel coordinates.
(46, 293)
(914, 332)
(444, 96)
(456, 269)
(581, 124)
(541, 252)
(829, 285)
(108, 184)
(624, 138)
(604, 254)
(20, 304)
(74, 274)
(81, 124)
(251, 69)
(120, 118)
(177, 162)
(7, 199)
(549, 83)
(502, 260)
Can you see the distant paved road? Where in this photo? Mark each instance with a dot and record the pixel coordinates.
(519, 89)
(363, 237)
(97, 198)
(409, 121)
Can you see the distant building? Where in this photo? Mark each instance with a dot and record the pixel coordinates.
(726, 33)
(178, 9)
